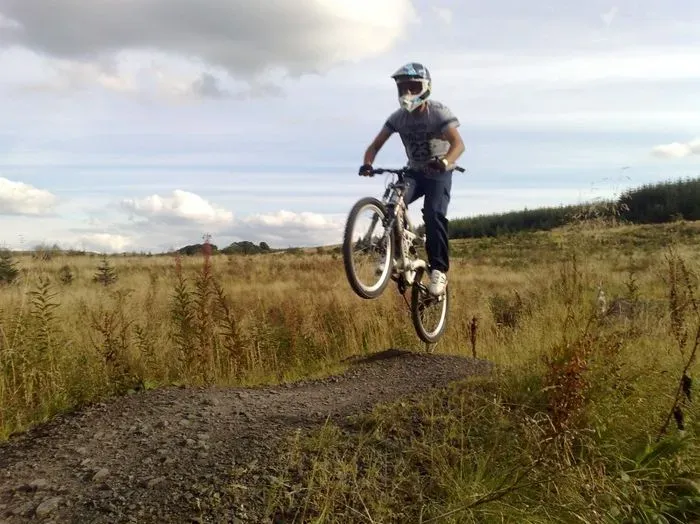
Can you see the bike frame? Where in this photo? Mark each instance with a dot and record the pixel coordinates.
(399, 221)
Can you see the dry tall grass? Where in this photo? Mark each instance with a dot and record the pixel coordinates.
(67, 338)
(589, 417)
(594, 330)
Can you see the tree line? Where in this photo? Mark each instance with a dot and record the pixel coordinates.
(647, 204)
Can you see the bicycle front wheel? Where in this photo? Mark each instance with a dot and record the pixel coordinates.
(368, 248)
(428, 313)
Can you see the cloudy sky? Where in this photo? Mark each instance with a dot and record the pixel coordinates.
(142, 125)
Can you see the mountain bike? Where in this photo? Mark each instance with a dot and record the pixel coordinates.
(380, 244)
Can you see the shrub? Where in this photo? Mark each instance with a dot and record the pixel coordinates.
(8, 269)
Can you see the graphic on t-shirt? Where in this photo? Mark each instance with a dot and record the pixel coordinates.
(421, 132)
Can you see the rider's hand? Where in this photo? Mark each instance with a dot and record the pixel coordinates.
(365, 170)
(437, 165)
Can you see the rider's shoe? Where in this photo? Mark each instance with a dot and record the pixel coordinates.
(438, 282)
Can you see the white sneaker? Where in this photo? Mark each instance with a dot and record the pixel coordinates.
(438, 282)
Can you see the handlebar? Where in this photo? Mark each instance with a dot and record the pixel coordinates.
(404, 170)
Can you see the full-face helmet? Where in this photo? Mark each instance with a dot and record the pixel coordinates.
(413, 83)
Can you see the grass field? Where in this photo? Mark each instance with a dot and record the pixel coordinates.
(592, 329)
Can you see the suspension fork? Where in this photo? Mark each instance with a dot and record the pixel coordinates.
(396, 224)
(368, 235)
(388, 226)
(375, 219)
(394, 221)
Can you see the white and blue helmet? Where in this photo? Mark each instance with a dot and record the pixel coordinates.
(413, 83)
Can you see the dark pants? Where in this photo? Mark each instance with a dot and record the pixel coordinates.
(436, 189)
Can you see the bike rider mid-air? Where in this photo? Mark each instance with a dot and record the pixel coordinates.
(428, 130)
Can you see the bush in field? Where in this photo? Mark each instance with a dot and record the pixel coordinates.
(46, 252)
(506, 310)
(246, 247)
(8, 269)
(197, 249)
(65, 275)
(106, 274)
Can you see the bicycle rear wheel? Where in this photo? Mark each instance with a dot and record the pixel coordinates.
(368, 249)
(428, 313)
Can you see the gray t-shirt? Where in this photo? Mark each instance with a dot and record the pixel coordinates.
(420, 131)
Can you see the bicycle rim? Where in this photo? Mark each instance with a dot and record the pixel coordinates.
(429, 313)
(367, 251)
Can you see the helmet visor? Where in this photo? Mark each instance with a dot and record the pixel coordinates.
(409, 87)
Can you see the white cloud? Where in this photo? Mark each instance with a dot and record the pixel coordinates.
(180, 206)
(284, 218)
(443, 13)
(193, 86)
(609, 16)
(677, 149)
(247, 38)
(484, 71)
(207, 85)
(141, 76)
(18, 198)
(104, 242)
(7, 23)
(286, 228)
(68, 75)
(174, 86)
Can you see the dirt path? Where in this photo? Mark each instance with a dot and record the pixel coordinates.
(191, 455)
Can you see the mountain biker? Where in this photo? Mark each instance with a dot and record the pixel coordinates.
(428, 130)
